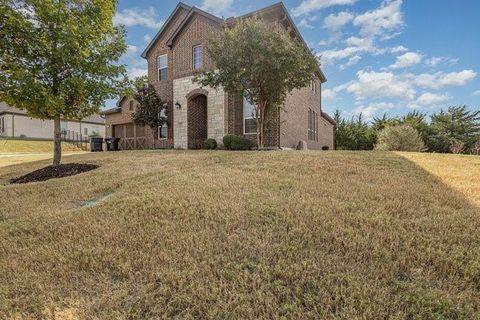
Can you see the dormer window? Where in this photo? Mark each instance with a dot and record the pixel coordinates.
(197, 57)
(131, 105)
(162, 64)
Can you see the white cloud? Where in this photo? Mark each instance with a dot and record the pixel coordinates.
(306, 22)
(429, 98)
(380, 84)
(439, 80)
(328, 94)
(137, 17)
(308, 6)
(137, 72)
(476, 93)
(131, 50)
(386, 84)
(382, 21)
(217, 7)
(373, 108)
(355, 46)
(351, 62)
(398, 49)
(434, 61)
(335, 22)
(406, 60)
(147, 38)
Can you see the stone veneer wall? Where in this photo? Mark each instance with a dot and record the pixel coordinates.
(216, 100)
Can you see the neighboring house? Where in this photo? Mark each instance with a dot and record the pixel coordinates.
(15, 123)
(194, 113)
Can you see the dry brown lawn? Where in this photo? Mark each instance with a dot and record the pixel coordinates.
(33, 146)
(221, 235)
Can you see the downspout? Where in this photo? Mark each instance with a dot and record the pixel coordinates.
(13, 126)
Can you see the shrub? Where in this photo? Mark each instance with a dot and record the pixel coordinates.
(400, 138)
(325, 148)
(457, 147)
(476, 148)
(227, 141)
(239, 143)
(210, 144)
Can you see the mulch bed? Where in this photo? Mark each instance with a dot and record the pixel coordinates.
(54, 172)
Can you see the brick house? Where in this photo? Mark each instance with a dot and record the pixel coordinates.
(194, 113)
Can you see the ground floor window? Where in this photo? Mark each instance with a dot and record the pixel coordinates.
(312, 125)
(2, 125)
(163, 130)
(249, 121)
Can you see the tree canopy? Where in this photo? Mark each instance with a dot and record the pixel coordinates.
(59, 58)
(151, 110)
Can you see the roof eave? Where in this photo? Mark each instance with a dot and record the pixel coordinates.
(159, 33)
(193, 10)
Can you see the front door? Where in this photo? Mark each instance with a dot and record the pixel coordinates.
(197, 121)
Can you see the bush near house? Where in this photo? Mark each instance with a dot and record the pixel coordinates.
(234, 142)
(210, 144)
(400, 138)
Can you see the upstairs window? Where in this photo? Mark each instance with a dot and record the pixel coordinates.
(249, 121)
(162, 64)
(313, 86)
(131, 105)
(197, 57)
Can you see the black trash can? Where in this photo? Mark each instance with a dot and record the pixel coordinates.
(112, 144)
(96, 144)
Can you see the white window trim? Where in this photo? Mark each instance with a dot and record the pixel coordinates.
(159, 68)
(245, 118)
(159, 129)
(201, 57)
(2, 125)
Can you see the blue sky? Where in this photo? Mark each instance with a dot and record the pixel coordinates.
(379, 56)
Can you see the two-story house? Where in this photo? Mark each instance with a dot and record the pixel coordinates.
(195, 113)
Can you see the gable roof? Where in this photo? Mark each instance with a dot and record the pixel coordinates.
(179, 6)
(193, 10)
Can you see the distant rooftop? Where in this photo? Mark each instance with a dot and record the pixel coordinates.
(4, 108)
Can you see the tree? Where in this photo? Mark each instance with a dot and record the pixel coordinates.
(400, 138)
(379, 124)
(454, 125)
(149, 112)
(260, 62)
(354, 134)
(58, 58)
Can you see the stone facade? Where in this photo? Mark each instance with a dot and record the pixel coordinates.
(182, 92)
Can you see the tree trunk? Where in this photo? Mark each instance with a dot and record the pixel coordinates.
(57, 142)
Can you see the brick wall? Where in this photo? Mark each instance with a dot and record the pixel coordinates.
(294, 119)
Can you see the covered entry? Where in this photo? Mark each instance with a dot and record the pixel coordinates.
(197, 121)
